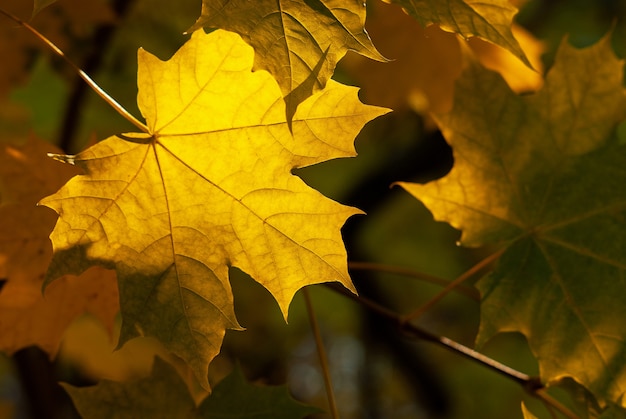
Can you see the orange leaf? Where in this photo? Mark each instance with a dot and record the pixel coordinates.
(26, 316)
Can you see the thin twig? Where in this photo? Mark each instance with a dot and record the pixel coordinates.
(104, 95)
(447, 343)
(542, 395)
(453, 285)
(99, 42)
(321, 351)
(532, 385)
(396, 270)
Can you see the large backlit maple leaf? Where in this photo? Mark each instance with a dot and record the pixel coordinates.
(208, 187)
(298, 42)
(543, 176)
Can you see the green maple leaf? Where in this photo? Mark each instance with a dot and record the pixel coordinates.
(164, 395)
(161, 395)
(209, 186)
(298, 42)
(543, 175)
(235, 398)
(490, 20)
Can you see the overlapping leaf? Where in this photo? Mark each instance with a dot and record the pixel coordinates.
(298, 42)
(260, 402)
(490, 20)
(162, 395)
(26, 316)
(543, 176)
(207, 188)
(426, 61)
(233, 397)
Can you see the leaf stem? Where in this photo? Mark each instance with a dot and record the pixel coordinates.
(321, 351)
(396, 270)
(94, 86)
(453, 285)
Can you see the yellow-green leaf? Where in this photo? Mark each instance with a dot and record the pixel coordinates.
(261, 402)
(161, 395)
(490, 20)
(527, 413)
(208, 187)
(543, 176)
(298, 42)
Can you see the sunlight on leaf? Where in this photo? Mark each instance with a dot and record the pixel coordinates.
(543, 176)
(518, 76)
(298, 42)
(527, 413)
(490, 20)
(208, 188)
(426, 61)
(90, 348)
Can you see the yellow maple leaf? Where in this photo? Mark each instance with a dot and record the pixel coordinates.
(207, 187)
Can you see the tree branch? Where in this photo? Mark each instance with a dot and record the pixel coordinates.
(532, 385)
(525, 380)
(92, 84)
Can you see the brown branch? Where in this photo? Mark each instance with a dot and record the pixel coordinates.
(417, 332)
(552, 402)
(532, 385)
